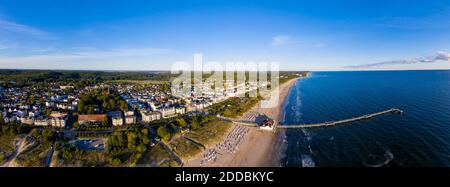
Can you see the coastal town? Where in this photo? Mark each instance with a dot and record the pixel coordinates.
(87, 117)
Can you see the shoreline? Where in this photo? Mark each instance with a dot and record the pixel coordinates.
(259, 148)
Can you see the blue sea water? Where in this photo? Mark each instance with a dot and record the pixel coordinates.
(418, 137)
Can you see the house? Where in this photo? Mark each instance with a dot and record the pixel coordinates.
(116, 118)
(117, 121)
(58, 122)
(49, 104)
(180, 110)
(27, 120)
(62, 106)
(41, 122)
(130, 118)
(148, 116)
(56, 114)
(267, 124)
(168, 112)
(63, 87)
(92, 118)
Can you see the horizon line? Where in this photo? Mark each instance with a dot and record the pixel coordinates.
(105, 70)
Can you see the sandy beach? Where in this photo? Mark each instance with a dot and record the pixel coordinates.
(258, 148)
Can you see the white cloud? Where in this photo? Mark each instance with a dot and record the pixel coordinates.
(16, 28)
(2, 47)
(438, 57)
(280, 40)
(48, 61)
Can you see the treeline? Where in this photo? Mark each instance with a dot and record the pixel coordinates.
(132, 142)
(100, 101)
(28, 77)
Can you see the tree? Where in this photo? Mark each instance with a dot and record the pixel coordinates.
(181, 122)
(105, 122)
(141, 148)
(227, 113)
(31, 100)
(195, 124)
(91, 110)
(123, 106)
(132, 140)
(35, 133)
(48, 135)
(144, 131)
(163, 133)
(2, 119)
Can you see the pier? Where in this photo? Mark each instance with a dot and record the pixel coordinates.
(324, 124)
(334, 123)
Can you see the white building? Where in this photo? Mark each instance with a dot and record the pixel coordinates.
(41, 122)
(148, 116)
(180, 110)
(117, 121)
(130, 118)
(58, 122)
(168, 112)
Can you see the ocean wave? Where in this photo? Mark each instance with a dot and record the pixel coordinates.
(307, 161)
(387, 158)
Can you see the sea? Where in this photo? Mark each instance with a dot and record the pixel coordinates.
(420, 136)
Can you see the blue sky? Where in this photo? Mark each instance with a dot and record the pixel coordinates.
(152, 35)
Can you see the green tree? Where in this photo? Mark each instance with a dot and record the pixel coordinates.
(2, 119)
(181, 122)
(91, 110)
(144, 131)
(105, 122)
(141, 148)
(163, 133)
(132, 140)
(35, 133)
(123, 106)
(227, 113)
(195, 124)
(31, 100)
(48, 136)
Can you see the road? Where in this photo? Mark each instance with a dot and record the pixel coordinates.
(48, 160)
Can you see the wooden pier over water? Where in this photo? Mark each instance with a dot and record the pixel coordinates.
(333, 123)
(325, 124)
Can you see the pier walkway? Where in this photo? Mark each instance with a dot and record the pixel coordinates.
(333, 123)
(325, 124)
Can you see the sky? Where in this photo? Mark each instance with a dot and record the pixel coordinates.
(153, 35)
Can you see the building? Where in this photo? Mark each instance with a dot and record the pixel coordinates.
(63, 87)
(115, 117)
(27, 120)
(267, 124)
(58, 122)
(93, 118)
(168, 112)
(180, 110)
(148, 116)
(62, 106)
(41, 122)
(130, 118)
(56, 114)
(117, 121)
